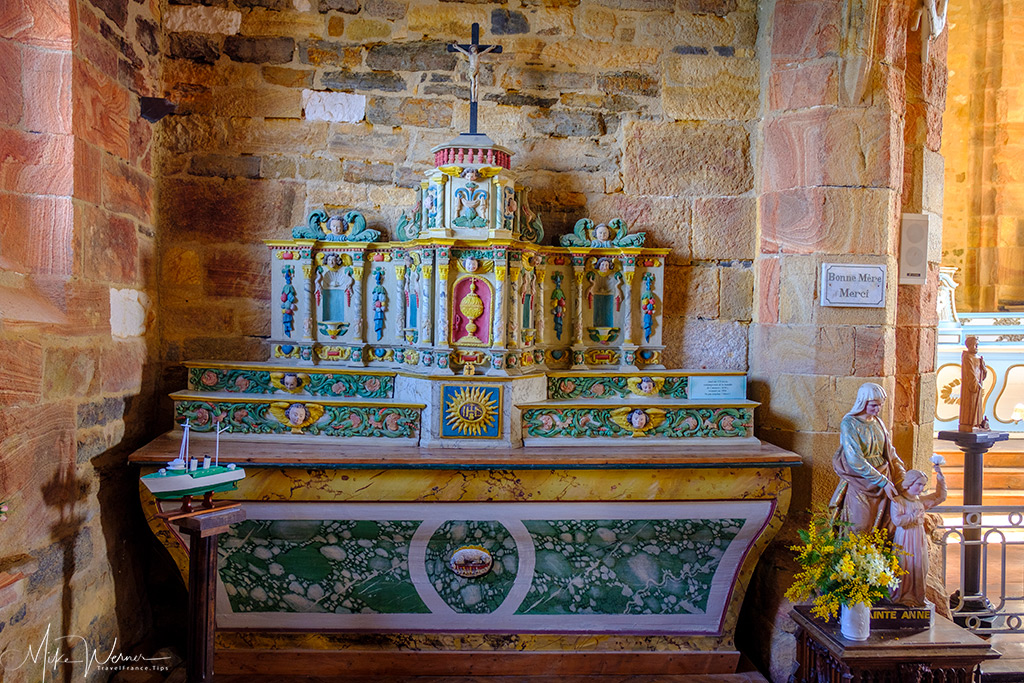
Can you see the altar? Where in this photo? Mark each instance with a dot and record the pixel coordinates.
(466, 441)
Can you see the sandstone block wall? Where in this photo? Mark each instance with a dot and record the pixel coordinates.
(77, 248)
(636, 109)
(983, 233)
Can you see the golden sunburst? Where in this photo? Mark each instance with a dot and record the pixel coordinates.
(471, 411)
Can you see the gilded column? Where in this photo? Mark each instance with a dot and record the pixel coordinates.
(515, 322)
(442, 297)
(540, 307)
(357, 298)
(627, 312)
(426, 309)
(579, 270)
(498, 323)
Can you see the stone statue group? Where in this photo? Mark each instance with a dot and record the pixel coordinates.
(876, 491)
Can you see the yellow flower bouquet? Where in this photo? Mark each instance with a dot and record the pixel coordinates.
(844, 568)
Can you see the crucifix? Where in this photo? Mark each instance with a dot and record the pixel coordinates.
(473, 51)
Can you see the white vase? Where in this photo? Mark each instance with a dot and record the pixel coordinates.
(855, 621)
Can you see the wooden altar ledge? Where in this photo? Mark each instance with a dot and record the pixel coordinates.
(634, 454)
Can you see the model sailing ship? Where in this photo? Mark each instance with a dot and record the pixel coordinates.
(185, 477)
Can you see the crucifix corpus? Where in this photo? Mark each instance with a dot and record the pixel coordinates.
(473, 51)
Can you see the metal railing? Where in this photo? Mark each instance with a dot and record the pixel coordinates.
(987, 599)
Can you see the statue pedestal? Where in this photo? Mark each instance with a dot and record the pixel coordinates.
(944, 652)
(974, 445)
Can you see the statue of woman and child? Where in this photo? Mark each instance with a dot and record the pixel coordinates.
(875, 491)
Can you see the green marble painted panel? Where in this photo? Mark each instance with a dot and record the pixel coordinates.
(551, 422)
(481, 594)
(648, 566)
(327, 420)
(245, 380)
(609, 386)
(344, 567)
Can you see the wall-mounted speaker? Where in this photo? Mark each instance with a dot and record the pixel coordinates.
(914, 236)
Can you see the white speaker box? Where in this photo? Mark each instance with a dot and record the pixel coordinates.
(914, 235)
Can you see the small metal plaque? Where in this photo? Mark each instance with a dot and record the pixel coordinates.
(853, 285)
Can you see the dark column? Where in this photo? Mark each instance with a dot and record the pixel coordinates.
(202, 529)
(974, 445)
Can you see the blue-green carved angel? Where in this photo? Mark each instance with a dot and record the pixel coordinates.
(347, 227)
(614, 234)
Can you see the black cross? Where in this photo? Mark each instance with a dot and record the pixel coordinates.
(473, 47)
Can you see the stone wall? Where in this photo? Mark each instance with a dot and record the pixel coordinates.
(850, 139)
(77, 266)
(641, 109)
(983, 232)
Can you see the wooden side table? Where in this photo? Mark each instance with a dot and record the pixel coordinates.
(944, 653)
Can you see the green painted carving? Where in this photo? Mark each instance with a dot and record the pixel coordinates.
(482, 594)
(350, 227)
(326, 420)
(342, 567)
(650, 566)
(601, 387)
(615, 234)
(597, 422)
(313, 383)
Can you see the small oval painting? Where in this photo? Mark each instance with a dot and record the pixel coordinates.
(470, 561)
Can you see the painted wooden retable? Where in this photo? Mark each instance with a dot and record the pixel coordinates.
(642, 549)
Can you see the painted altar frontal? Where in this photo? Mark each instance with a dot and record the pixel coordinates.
(465, 330)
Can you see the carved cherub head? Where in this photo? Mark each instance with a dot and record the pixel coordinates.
(336, 225)
(601, 233)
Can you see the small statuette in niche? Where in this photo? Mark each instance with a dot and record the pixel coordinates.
(470, 561)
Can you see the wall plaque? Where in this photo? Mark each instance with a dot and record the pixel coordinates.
(854, 285)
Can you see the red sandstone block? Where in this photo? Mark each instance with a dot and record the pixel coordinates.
(101, 110)
(893, 39)
(807, 85)
(46, 83)
(98, 52)
(45, 23)
(769, 272)
(871, 357)
(916, 304)
(88, 161)
(815, 147)
(37, 233)
(126, 190)
(905, 399)
(121, 365)
(10, 83)
(29, 456)
(806, 29)
(834, 220)
(908, 350)
(35, 163)
(86, 304)
(238, 272)
(21, 372)
(110, 246)
(140, 136)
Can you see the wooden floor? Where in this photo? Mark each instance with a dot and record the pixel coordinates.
(540, 678)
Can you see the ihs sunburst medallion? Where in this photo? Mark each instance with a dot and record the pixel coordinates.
(471, 411)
